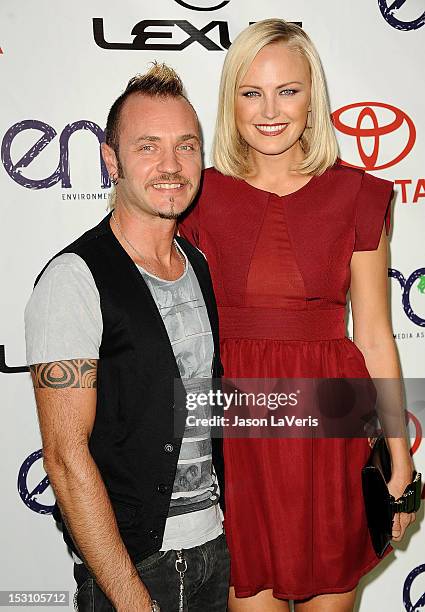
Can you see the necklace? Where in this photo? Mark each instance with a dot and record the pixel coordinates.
(142, 257)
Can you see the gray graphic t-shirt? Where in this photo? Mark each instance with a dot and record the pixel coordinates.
(63, 321)
(185, 316)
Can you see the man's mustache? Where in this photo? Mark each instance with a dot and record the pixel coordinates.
(169, 178)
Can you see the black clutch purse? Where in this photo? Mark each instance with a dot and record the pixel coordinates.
(380, 504)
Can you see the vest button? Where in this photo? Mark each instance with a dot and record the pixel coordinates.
(153, 534)
(163, 488)
(168, 448)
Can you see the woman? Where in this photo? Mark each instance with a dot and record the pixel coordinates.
(287, 231)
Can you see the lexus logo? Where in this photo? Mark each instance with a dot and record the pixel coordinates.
(389, 13)
(373, 124)
(203, 5)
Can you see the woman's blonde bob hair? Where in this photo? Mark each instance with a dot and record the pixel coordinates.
(230, 151)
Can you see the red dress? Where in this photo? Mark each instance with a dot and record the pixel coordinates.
(280, 266)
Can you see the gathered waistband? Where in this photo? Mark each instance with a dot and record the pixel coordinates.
(281, 324)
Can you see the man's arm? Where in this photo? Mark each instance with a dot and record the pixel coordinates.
(65, 392)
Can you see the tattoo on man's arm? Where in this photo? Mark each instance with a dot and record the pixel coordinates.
(72, 374)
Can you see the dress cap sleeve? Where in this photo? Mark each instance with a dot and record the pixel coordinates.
(373, 207)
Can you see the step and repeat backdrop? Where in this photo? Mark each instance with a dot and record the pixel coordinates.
(62, 65)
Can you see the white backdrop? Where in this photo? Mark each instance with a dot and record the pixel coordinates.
(55, 74)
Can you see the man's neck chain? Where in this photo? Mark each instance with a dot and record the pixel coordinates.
(140, 256)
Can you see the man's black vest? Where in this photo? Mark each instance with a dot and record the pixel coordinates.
(134, 441)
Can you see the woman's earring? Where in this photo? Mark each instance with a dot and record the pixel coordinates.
(114, 179)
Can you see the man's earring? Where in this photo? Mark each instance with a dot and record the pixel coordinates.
(114, 179)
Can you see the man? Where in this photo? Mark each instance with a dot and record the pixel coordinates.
(116, 321)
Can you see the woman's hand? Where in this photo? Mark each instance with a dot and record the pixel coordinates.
(396, 487)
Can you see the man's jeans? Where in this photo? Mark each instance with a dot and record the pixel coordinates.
(206, 580)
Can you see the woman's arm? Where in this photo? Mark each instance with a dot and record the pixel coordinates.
(373, 336)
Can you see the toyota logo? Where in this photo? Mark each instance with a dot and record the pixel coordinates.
(414, 423)
(374, 123)
(203, 5)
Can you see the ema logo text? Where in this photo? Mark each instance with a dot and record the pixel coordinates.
(171, 30)
(406, 285)
(418, 604)
(15, 169)
(29, 493)
(391, 14)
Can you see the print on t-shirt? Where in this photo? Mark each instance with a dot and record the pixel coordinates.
(185, 317)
